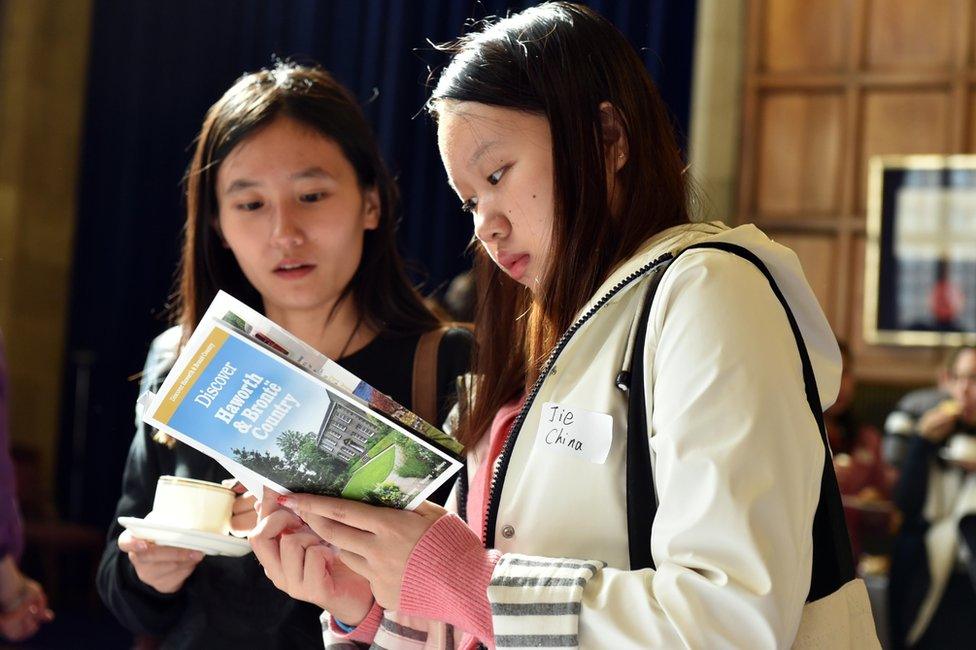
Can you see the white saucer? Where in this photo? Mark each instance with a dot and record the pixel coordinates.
(195, 540)
(952, 458)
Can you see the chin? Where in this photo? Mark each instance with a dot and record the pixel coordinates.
(295, 301)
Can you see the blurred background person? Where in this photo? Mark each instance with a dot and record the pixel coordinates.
(461, 297)
(23, 604)
(933, 600)
(902, 423)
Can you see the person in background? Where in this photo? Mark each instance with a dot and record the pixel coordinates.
(290, 209)
(933, 600)
(901, 423)
(460, 297)
(23, 604)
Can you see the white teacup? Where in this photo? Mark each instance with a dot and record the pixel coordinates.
(962, 447)
(192, 504)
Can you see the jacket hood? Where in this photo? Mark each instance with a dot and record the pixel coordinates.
(785, 268)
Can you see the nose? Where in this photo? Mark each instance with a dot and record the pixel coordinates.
(490, 225)
(286, 231)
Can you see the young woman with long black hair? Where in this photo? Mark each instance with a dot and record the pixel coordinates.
(290, 209)
(646, 448)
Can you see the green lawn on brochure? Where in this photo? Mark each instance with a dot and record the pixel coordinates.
(370, 475)
(374, 451)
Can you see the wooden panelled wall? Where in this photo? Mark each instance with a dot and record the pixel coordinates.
(43, 64)
(828, 84)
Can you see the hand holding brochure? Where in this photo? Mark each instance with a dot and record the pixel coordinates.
(277, 413)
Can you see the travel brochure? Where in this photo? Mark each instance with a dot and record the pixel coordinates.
(277, 413)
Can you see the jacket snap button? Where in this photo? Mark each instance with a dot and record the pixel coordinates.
(508, 532)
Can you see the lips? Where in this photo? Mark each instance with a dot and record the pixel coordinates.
(514, 264)
(293, 269)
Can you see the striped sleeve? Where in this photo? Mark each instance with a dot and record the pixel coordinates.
(536, 602)
(391, 631)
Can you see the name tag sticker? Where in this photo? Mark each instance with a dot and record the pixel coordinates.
(575, 432)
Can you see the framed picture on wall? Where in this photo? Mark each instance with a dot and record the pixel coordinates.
(920, 267)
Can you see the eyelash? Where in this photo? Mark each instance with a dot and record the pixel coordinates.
(311, 197)
(498, 172)
(470, 205)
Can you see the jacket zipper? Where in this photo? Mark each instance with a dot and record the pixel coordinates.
(498, 474)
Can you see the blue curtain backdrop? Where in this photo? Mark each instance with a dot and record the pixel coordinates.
(155, 67)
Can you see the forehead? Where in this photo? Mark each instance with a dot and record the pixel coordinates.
(282, 146)
(467, 129)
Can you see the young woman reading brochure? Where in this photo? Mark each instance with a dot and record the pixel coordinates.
(645, 444)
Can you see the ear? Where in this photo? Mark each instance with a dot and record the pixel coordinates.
(614, 136)
(371, 209)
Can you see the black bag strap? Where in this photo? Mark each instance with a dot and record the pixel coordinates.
(641, 498)
(833, 562)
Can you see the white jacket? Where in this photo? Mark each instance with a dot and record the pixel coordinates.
(736, 453)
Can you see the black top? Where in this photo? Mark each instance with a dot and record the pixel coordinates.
(909, 577)
(228, 602)
(913, 483)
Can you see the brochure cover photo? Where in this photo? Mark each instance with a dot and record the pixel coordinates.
(262, 416)
(269, 334)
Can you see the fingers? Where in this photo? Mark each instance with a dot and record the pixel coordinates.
(36, 596)
(244, 516)
(165, 577)
(293, 547)
(268, 503)
(146, 552)
(429, 510)
(264, 540)
(149, 553)
(234, 485)
(244, 504)
(339, 534)
(163, 568)
(127, 542)
(317, 560)
(24, 621)
(352, 513)
(160, 570)
(355, 562)
(243, 524)
(273, 525)
(18, 625)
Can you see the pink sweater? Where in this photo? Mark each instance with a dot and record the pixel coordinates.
(448, 572)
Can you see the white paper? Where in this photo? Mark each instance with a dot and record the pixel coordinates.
(575, 432)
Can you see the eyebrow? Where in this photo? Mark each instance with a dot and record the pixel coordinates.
(309, 172)
(484, 148)
(240, 184)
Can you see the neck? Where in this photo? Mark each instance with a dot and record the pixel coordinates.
(333, 334)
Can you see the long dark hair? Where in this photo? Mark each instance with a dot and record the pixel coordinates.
(309, 95)
(561, 61)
